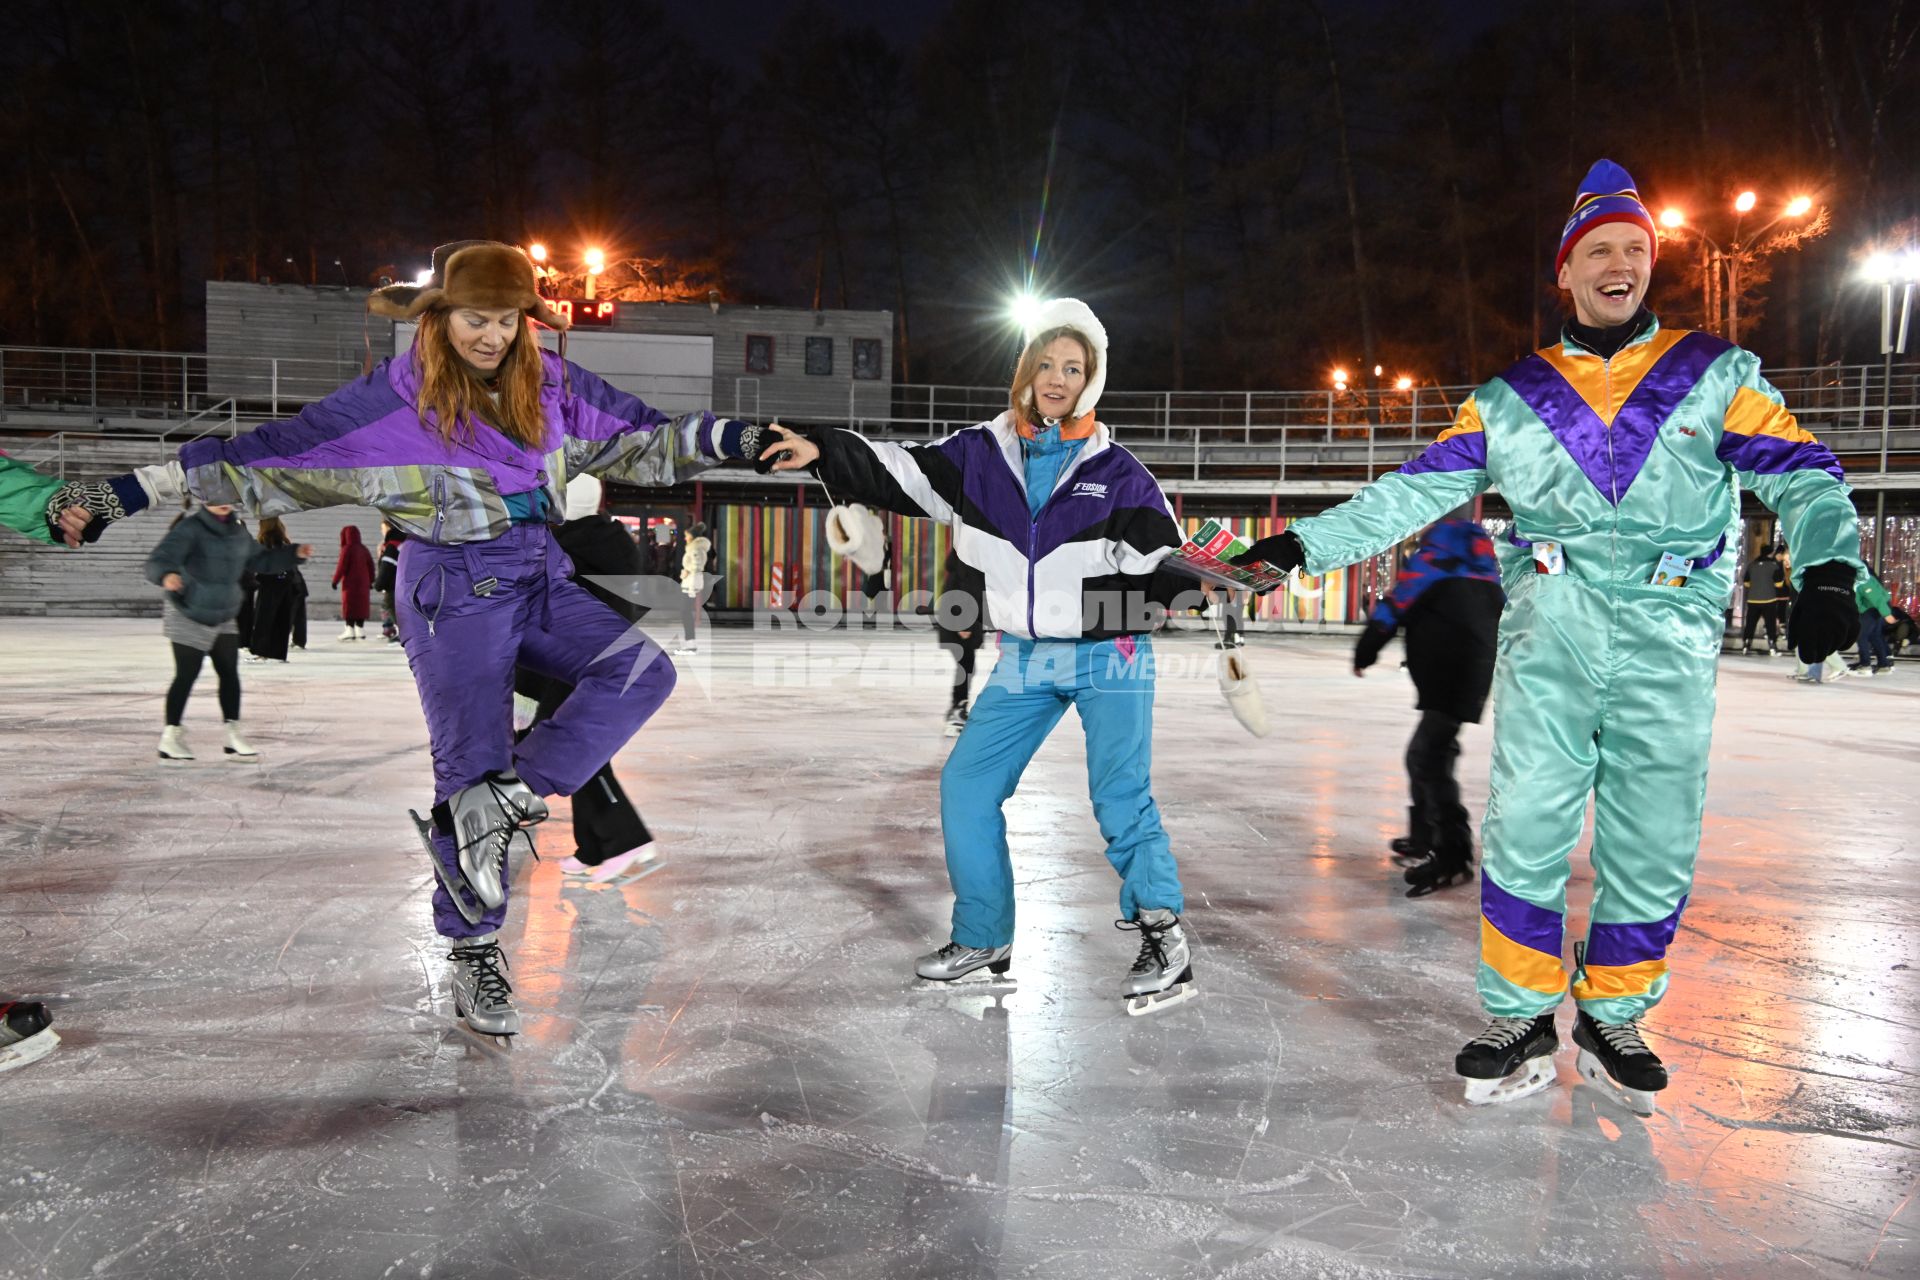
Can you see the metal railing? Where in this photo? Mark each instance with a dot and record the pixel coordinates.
(1868, 414)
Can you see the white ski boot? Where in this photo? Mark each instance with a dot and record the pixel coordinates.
(237, 746)
(1510, 1060)
(1162, 974)
(173, 744)
(481, 997)
(484, 818)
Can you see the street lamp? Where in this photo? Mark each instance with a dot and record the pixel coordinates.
(1740, 250)
(1899, 269)
(596, 263)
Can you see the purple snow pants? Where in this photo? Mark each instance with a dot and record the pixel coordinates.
(468, 615)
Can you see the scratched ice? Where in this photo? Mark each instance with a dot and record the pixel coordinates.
(726, 1073)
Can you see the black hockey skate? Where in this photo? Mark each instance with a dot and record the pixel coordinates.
(1416, 845)
(1510, 1060)
(1441, 871)
(1614, 1058)
(26, 1033)
(1452, 860)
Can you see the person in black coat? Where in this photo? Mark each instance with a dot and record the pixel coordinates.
(611, 841)
(1447, 599)
(960, 619)
(274, 597)
(386, 566)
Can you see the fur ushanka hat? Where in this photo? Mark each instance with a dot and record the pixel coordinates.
(470, 273)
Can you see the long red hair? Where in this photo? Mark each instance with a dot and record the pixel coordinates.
(453, 394)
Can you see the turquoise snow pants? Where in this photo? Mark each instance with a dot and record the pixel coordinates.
(1603, 689)
(1110, 683)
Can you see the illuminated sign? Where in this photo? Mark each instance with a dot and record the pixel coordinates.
(598, 312)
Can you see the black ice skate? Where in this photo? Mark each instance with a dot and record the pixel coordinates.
(1614, 1058)
(1510, 1060)
(968, 966)
(1442, 871)
(1416, 845)
(1162, 974)
(26, 1033)
(1452, 860)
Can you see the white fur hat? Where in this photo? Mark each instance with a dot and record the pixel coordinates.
(1071, 313)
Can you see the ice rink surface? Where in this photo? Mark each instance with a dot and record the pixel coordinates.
(727, 1072)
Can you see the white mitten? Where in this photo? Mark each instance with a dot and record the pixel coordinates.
(856, 534)
(1242, 694)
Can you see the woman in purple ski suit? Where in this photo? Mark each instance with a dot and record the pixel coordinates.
(465, 443)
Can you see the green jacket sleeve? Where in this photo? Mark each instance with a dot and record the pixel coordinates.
(1451, 471)
(1870, 596)
(1781, 464)
(23, 499)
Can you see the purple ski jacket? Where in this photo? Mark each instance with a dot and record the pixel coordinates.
(366, 444)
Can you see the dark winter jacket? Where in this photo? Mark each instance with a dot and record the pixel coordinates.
(963, 598)
(213, 555)
(353, 575)
(389, 561)
(1447, 598)
(1765, 580)
(600, 547)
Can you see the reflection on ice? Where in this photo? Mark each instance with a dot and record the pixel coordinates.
(726, 1069)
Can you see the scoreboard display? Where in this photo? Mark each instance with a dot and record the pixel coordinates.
(597, 313)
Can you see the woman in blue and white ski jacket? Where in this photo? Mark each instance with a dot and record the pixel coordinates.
(1069, 531)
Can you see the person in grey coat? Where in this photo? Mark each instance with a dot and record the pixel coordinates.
(199, 565)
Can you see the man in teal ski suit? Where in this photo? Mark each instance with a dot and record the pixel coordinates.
(1621, 450)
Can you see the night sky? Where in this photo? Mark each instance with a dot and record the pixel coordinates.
(1248, 193)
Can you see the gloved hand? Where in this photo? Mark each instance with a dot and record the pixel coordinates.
(1283, 551)
(746, 441)
(101, 504)
(1372, 640)
(1824, 619)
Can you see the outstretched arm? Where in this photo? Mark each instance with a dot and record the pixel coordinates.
(906, 479)
(615, 434)
(1451, 471)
